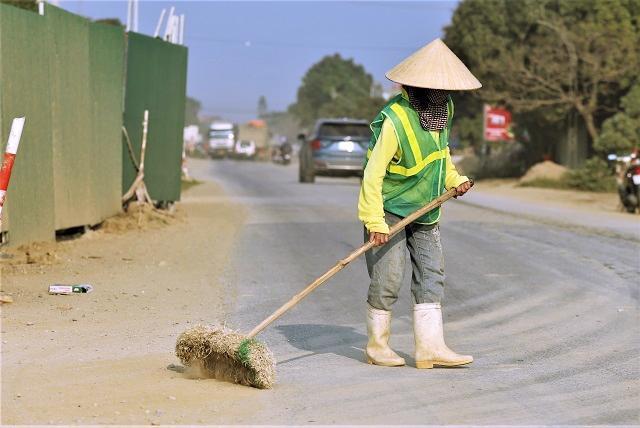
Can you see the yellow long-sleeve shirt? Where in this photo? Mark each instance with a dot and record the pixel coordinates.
(370, 205)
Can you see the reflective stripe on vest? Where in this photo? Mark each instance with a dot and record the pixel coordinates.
(397, 169)
(411, 136)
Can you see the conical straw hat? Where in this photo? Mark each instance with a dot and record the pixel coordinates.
(436, 67)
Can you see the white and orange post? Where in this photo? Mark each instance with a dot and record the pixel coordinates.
(9, 158)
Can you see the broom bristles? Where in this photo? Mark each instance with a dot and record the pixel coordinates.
(227, 355)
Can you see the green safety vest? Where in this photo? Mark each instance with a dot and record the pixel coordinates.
(418, 176)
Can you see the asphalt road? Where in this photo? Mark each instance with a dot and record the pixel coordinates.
(549, 313)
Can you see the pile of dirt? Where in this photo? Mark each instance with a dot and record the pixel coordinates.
(37, 254)
(138, 217)
(546, 170)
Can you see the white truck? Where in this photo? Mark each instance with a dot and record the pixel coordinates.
(221, 139)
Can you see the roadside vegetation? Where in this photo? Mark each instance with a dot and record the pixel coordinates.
(568, 73)
(337, 87)
(593, 176)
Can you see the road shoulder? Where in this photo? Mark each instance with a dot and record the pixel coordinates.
(101, 358)
(596, 212)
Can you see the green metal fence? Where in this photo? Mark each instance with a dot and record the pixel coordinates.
(106, 55)
(155, 81)
(72, 132)
(66, 75)
(25, 91)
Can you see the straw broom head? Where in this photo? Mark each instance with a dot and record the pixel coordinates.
(227, 355)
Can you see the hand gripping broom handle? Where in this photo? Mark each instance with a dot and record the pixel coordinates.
(351, 257)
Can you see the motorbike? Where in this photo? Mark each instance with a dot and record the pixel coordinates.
(282, 154)
(628, 179)
(286, 158)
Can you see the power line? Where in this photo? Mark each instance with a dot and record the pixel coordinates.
(230, 110)
(281, 44)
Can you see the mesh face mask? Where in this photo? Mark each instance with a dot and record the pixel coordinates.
(431, 106)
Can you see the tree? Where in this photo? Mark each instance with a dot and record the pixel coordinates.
(110, 21)
(621, 132)
(262, 106)
(31, 5)
(550, 57)
(336, 87)
(191, 111)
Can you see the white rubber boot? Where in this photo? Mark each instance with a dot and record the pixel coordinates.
(429, 337)
(379, 329)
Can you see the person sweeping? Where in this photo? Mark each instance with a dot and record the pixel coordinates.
(408, 165)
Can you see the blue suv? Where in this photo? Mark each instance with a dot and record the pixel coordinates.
(336, 147)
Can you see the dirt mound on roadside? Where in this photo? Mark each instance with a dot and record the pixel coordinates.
(546, 170)
(138, 217)
(37, 253)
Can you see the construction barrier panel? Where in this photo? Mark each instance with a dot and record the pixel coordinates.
(25, 91)
(68, 35)
(106, 55)
(66, 75)
(156, 81)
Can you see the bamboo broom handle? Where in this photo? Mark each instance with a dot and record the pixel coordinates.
(351, 257)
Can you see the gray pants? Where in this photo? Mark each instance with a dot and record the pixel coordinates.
(386, 265)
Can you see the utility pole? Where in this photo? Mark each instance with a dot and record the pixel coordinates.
(135, 15)
(169, 24)
(132, 15)
(181, 41)
(157, 32)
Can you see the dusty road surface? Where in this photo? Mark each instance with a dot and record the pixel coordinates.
(101, 358)
(549, 312)
(601, 213)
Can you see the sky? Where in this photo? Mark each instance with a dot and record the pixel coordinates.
(241, 50)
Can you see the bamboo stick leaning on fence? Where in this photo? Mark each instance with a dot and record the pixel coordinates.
(130, 149)
(229, 355)
(138, 188)
(9, 157)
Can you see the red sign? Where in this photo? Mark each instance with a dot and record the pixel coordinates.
(497, 124)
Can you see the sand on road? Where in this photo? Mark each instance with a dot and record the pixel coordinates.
(102, 358)
(600, 202)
